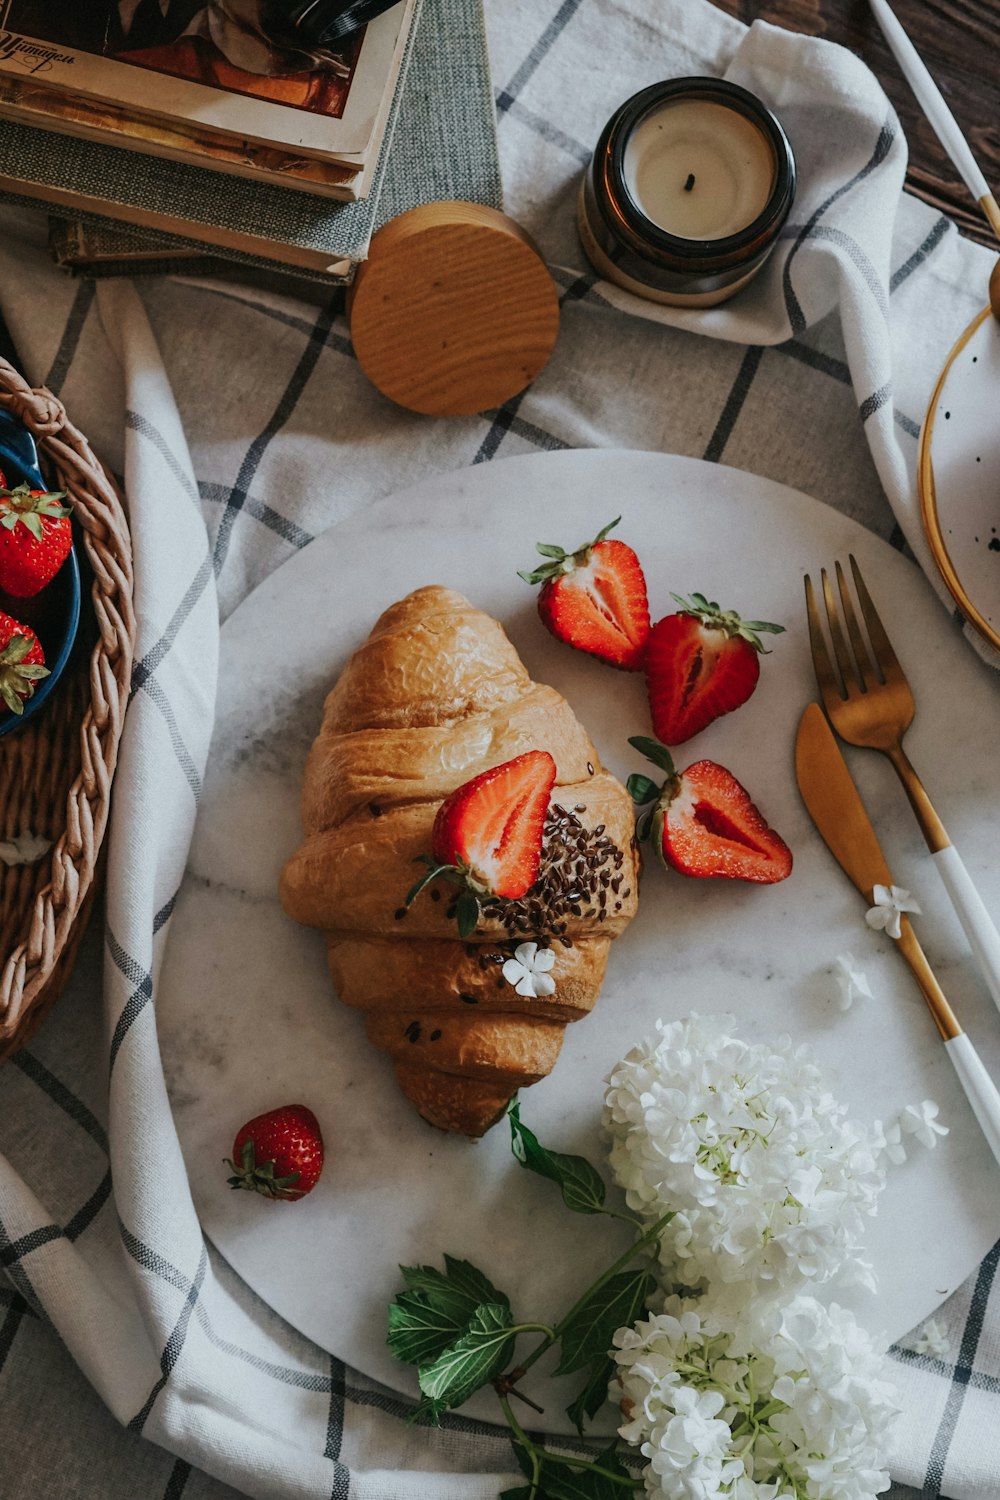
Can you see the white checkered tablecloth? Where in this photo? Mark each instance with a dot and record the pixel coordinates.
(133, 1363)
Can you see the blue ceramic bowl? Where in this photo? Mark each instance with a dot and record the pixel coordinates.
(54, 614)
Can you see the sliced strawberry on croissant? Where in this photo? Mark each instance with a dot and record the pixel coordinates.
(704, 823)
(595, 599)
(701, 662)
(487, 836)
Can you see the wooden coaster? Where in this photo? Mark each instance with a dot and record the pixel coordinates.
(454, 310)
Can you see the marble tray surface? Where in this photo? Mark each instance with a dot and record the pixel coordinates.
(245, 1010)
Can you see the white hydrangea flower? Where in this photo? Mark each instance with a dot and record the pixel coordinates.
(890, 903)
(766, 1402)
(932, 1340)
(851, 981)
(528, 970)
(888, 1141)
(769, 1179)
(921, 1120)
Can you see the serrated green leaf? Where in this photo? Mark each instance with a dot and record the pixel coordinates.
(420, 1331)
(593, 1394)
(582, 1186)
(616, 1304)
(654, 751)
(468, 1278)
(471, 1361)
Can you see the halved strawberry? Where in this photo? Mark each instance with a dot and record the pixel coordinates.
(22, 663)
(595, 599)
(704, 823)
(487, 835)
(701, 662)
(35, 538)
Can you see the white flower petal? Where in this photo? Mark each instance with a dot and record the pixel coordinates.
(525, 953)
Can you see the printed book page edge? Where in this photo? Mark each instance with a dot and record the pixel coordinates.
(345, 191)
(250, 244)
(238, 114)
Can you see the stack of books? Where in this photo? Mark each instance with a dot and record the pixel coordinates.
(187, 135)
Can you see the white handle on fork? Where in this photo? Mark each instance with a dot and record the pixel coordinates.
(979, 1087)
(975, 919)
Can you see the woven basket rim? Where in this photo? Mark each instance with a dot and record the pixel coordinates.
(34, 970)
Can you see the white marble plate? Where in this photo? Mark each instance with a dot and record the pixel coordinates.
(959, 473)
(248, 1021)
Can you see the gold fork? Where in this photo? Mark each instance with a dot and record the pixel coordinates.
(869, 703)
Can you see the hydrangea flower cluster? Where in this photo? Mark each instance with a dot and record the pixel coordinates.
(770, 1179)
(787, 1401)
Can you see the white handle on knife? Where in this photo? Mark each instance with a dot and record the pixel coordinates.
(975, 919)
(979, 1087)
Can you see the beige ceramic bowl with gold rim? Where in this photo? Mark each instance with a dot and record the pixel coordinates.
(958, 475)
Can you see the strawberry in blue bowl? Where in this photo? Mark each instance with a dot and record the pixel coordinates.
(39, 580)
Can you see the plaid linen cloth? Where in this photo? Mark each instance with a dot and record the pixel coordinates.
(242, 427)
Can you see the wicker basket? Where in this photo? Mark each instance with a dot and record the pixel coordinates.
(56, 771)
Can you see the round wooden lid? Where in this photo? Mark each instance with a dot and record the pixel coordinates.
(454, 310)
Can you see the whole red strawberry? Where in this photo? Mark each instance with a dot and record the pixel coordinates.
(701, 662)
(279, 1155)
(704, 823)
(35, 539)
(22, 663)
(487, 835)
(595, 599)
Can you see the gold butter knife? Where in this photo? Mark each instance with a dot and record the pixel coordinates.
(835, 807)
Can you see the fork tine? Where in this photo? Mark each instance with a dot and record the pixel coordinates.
(858, 646)
(826, 677)
(885, 658)
(840, 651)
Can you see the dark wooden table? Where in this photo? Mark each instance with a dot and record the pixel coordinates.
(959, 40)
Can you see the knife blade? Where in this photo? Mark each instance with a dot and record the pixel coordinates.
(835, 806)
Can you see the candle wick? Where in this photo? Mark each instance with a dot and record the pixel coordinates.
(690, 182)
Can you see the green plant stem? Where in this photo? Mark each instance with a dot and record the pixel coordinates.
(647, 1238)
(536, 1454)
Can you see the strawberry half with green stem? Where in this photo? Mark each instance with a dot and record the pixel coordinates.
(35, 538)
(487, 836)
(22, 663)
(703, 822)
(595, 599)
(701, 662)
(280, 1154)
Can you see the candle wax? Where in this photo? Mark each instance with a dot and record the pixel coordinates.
(698, 169)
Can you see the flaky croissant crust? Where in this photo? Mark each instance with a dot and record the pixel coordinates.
(434, 696)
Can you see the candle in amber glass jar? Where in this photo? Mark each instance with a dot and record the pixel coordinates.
(687, 191)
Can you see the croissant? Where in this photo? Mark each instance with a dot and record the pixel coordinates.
(434, 696)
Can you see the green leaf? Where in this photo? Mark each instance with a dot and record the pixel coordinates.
(419, 1331)
(606, 530)
(434, 873)
(641, 789)
(523, 1492)
(588, 1402)
(466, 1277)
(654, 751)
(581, 1184)
(437, 1308)
(616, 1304)
(548, 551)
(467, 913)
(472, 1360)
(644, 828)
(561, 1481)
